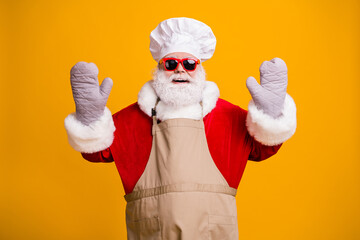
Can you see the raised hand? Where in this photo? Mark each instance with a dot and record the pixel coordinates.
(269, 96)
(90, 98)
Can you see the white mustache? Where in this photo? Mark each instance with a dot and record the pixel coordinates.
(177, 76)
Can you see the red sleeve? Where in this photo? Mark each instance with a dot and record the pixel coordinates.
(102, 156)
(261, 152)
(131, 147)
(229, 142)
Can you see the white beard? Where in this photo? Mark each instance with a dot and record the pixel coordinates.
(182, 94)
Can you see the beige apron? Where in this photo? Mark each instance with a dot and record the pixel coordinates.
(181, 194)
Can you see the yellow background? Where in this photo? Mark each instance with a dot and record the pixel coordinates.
(309, 190)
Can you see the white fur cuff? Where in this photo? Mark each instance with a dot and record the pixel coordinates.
(98, 136)
(270, 131)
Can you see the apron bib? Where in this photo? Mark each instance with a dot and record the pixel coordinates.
(181, 193)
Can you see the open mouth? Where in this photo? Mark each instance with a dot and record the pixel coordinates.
(177, 81)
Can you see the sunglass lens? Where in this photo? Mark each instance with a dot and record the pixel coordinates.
(171, 64)
(189, 64)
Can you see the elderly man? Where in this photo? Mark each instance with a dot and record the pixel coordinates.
(180, 150)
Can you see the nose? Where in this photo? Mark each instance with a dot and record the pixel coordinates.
(179, 68)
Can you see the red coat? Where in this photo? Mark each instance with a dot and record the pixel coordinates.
(229, 142)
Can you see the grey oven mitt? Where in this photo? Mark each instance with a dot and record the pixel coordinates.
(269, 96)
(90, 98)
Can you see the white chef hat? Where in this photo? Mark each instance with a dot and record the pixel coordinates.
(182, 35)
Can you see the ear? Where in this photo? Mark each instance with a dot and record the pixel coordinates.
(160, 66)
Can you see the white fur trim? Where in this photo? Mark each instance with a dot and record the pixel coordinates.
(98, 136)
(210, 97)
(147, 100)
(270, 131)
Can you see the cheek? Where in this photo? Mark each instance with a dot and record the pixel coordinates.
(168, 73)
(193, 73)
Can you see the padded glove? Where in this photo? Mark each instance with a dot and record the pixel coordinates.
(90, 98)
(269, 96)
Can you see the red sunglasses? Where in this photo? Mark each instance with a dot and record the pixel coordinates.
(189, 64)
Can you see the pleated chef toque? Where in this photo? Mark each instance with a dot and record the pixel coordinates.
(182, 35)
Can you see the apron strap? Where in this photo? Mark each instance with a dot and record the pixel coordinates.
(153, 115)
(153, 111)
(182, 187)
